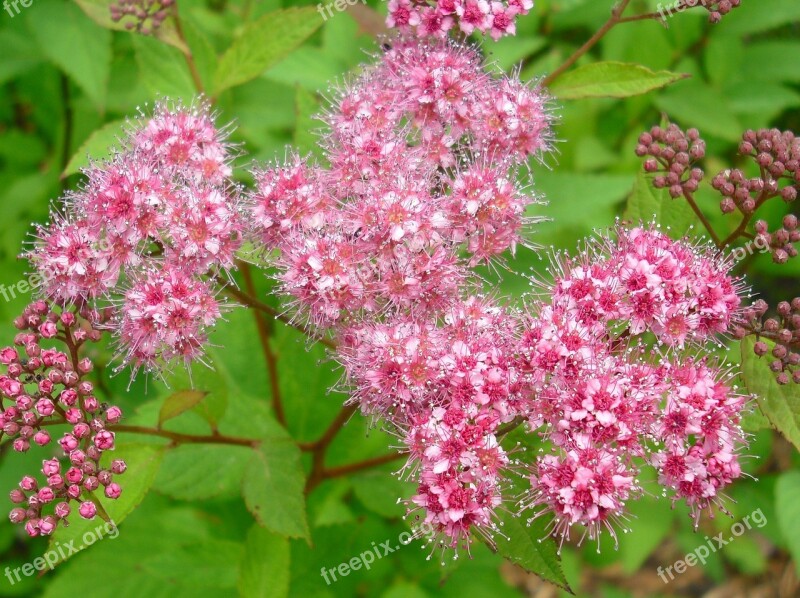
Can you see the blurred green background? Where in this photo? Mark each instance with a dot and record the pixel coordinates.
(63, 78)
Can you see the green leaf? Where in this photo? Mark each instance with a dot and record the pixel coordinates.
(530, 548)
(97, 146)
(697, 104)
(379, 491)
(273, 488)
(652, 521)
(645, 202)
(611, 80)
(264, 571)
(179, 402)
(76, 45)
(143, 461)
(163, 69)
(788, 507)
(780, 403)
(263, 43)
(208, 564)
(202, 471)
(306, 106)
(213, 381)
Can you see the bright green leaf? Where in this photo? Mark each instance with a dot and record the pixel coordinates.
(76, 45)
(645, 202)
(530, 548)
(611, 80)
(263, 43)
(202, 471)
(143, 461)
(788, 507)
(273, 488)
(163, 69)
(780, 403)
(97, 146)
(179, 402)
(264, 571)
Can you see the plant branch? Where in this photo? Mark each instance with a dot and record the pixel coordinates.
(342, 470)
(706, 223)
(270, 358)
(613, 20)
(252, 302)
(187, 53)
(178, 438)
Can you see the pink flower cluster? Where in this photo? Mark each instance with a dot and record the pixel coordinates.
(436, 18)
(423, 184)
(163, 208)
(446, 388)
(608, 398)
(44, 386)
(424, 151)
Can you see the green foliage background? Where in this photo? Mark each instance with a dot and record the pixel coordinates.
(66, 85)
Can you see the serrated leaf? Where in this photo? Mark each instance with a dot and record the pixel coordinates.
(531, 548)
(98, 145)
(76, 45)
(143, 461)
(263, 43)
(179, 402)
(787, 506)
(273, 488)
(202, 471)
(780, 403)
(264, 571)
(611, 80)
(646, 203)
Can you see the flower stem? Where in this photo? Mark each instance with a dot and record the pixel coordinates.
(613, 20)
(178, 438)
(270, 358)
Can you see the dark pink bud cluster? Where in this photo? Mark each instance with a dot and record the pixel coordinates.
(779, 242)
(436, 17)
(672, 155)
(783, 329)
(719, 8)
(424, 151)
(145, 16)
(44, 387)
(604, 394)
(777, 156)
(163, 203)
